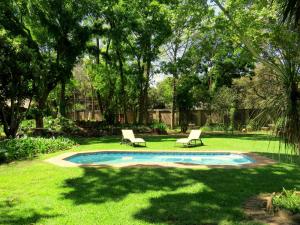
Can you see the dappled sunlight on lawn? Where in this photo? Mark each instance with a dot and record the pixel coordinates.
(185, 196)
(140, 195)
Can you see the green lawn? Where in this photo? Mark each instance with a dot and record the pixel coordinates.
(35, 192)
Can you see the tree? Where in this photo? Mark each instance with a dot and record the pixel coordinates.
(277, 47)
(191, 92)
(59, 28)
(225, 102)
(291, 12)
(105, 80)
(19, 66)
(161, 95)
(151, 29)
(185, 22)
(131, 38)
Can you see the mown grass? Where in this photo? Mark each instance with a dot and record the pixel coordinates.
(36, 192)
(242, 142)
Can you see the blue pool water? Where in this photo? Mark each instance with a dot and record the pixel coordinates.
(160, 157)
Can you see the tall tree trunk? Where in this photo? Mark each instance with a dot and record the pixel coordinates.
(39, 120)
(41, 104)
(143, 98)
(74, 106)
(39, 117)
(10, 123)
(98, 51)
(123, 93)
(141, 105)
(292, 118)
(146, 100)
(141, 82)
(173, 108)
(175, 76)
(62, 102)
(93, 103)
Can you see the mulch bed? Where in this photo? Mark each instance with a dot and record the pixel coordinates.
(259, 208)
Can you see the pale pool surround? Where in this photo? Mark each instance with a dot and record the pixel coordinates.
(181, 159)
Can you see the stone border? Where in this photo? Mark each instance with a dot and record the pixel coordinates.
(259, 160)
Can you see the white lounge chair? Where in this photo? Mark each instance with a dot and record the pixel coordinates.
(128, 136)
(192, 139)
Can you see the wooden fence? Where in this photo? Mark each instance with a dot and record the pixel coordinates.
(197, 117)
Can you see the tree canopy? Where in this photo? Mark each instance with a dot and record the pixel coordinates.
(203, 49)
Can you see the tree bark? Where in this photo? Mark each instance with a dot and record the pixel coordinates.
(41, 100)
(143, 99)
(62, 103)
(98, 51)
(39, 121)
(39, 117)
(173, 108)
(10, 120)
(123, 92)
(175, 75)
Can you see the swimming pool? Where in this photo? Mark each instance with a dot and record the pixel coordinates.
(196, 158)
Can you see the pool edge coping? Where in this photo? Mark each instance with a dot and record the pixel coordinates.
(61, 161)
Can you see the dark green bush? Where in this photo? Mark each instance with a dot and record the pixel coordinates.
(60, 124)
(26, 125)
(287, 199)
(29, 147)
(159, 127)
(214, 127)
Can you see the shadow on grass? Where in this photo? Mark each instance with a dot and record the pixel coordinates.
(185, 196)
(281, 157)
(254, 137)
(23, 216)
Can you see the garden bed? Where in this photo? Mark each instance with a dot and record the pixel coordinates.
(260, 208)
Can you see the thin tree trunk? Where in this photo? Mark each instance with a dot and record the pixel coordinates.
(173, 104)
(98, 51)
(175, 75)
(62, 103)
(93, 103)
(74, 106)
(146, 100)
(123, 93)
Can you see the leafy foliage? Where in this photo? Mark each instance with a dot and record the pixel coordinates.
(19, 65)
(191, 92)
(287, 199)
(159, 127)
(161, 96)
(29, 147)
(277, 47)
(61, 124)
(224, 103)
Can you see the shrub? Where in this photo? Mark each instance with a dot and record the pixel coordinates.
(60, 124)
(160, 128)
(287, 199)
(29, 147)
(254, 125)
(214, 127)
(27, 124)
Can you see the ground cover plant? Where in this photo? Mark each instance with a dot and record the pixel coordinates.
(287, 199)
(141, 195)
